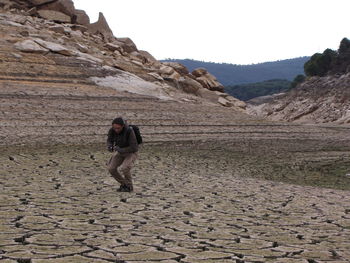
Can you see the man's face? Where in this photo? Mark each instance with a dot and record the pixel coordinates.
(117, 127)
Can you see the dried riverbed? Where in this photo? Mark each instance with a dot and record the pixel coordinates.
(194, 202)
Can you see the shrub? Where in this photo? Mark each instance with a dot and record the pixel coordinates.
(319, 64)
(297, 80)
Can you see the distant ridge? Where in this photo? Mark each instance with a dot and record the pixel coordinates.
(231, 74)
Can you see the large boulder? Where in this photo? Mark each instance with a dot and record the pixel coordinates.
(39, 2)
(207, 80)
(64, 6)
(30, 46)
(127, 44)
(54, 16)
(148, 56)
(166, 70)
(189, 85)
(11, 4)
(56, 48)
(208, 95)
(101, 27)
(80, 17)
(136, 55)
(58, 29)
(173, 77)
(199, 72)
(236, 102)
(224, 102)
(113, 47)
(178, 67)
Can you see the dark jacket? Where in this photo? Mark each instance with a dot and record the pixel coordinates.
(124, 142)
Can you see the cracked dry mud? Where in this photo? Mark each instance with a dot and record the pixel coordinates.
(193, 202)
(212, 184)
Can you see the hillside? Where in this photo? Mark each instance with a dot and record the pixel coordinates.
(317, 100)
(249, 91)
(324, 95)
(230, 74)
(53, 40)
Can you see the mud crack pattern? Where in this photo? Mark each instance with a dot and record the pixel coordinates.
(60, 205)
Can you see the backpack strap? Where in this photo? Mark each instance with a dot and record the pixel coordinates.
(129, 131)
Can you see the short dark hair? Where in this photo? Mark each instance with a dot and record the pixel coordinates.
(119, 121)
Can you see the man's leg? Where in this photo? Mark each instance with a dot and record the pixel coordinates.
(113, 164)
(125, 169)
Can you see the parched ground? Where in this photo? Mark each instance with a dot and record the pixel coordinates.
(193, 202)
(211, 185)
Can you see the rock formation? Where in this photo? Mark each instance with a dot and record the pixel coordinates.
(207, 80)
(63, 6)
(322, 97)
(55, 26)
(101, 28)
(317, 100)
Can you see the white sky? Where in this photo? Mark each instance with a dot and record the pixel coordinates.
(231, 31)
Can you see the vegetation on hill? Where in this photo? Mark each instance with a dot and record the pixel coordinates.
(249, 91)
(231, 74)
(297, 80)
(330, 61)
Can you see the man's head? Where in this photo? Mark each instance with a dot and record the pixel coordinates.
(118, 124)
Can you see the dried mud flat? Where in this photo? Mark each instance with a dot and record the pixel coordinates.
(193, 202)
(212, 184)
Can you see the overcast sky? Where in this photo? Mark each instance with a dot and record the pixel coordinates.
(231, 31)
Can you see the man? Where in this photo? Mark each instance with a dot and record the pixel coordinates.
(123, 143)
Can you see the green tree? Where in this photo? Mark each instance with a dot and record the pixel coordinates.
(344, 46)
(297, 80)
(319, 64)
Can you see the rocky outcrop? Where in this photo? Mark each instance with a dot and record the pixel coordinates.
(54, 47)
(67, 32)
(39, 2)
(30, 46)
(127, 44)
(229, 101)
(207, 80)
(317, 100)
(63, 6)
(189, 85)
(181, 69)
(80, 17)
(101, 27)
(54, 16)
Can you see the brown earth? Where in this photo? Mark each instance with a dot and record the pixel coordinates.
(317, 100)
(212, 184)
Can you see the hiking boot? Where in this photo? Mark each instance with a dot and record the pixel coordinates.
(125, 188)
(122, 188)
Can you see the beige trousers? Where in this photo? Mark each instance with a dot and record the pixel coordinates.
(119, 166)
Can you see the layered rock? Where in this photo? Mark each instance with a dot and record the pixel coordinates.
(39, 2)
(68, 32)
(30, 46)
(207, 80)
(317, 100)
(80, 17)
(63, 6)
(54, 16)
(101, 27)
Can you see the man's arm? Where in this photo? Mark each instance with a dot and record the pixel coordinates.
(110, 141)
(133, 145)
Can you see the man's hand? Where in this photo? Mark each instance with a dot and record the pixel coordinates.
(110, 148)
(117, 148)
